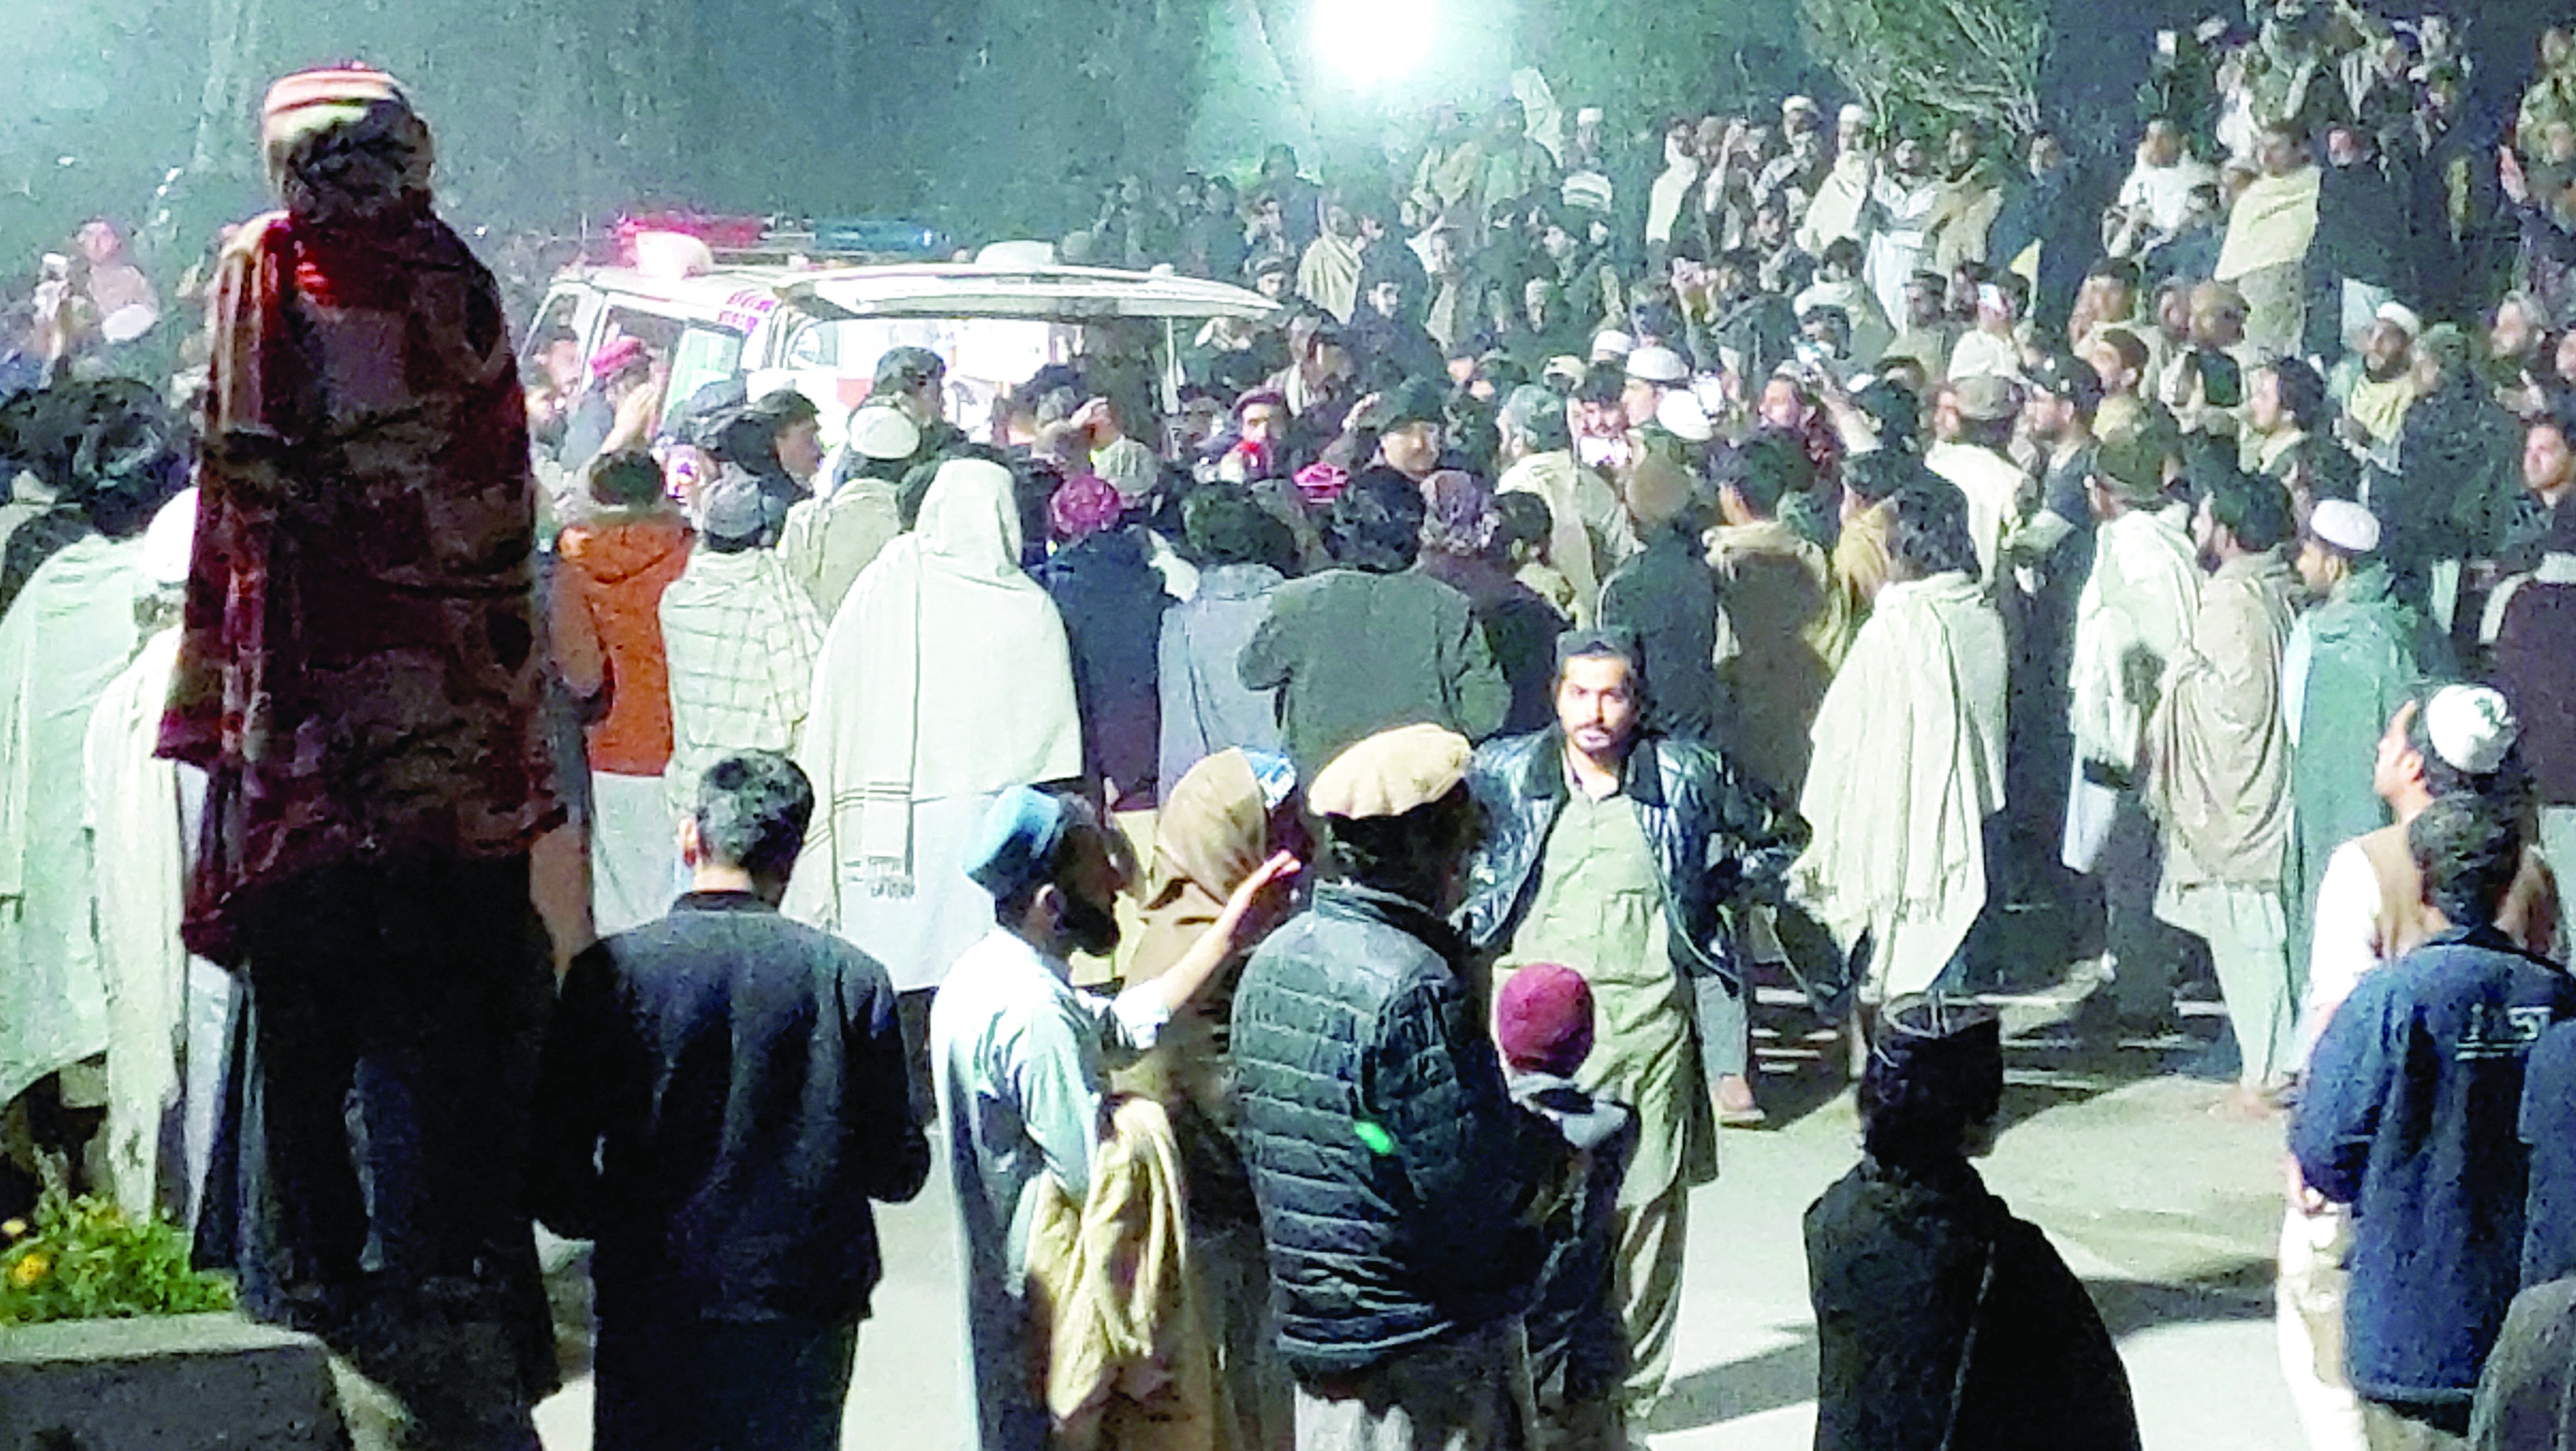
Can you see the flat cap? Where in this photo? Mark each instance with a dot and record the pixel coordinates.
(1391, 773)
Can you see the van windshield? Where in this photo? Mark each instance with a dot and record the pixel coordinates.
(834, 360)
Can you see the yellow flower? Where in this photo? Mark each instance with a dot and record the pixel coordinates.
(27, 1271)
(13, 1229)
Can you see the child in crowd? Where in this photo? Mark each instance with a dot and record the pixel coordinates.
(1578, 1348)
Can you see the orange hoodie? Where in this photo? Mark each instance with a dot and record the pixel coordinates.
(612, 570)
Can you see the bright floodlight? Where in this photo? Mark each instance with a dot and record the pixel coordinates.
(1371, 41)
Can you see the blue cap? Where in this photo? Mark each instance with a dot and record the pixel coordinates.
(1015, 847)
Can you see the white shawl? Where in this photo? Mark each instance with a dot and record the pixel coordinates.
(2274, 223)
(135, 823)
(2139, 601)
(66, 637)
(1908, 764)
(945, 673)
(1329, 275)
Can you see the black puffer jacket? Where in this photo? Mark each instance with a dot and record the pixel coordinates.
(1393, 1171)
(1719, 839)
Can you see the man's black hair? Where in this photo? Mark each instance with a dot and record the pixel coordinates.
(2122, 270)
(1408, 855)
(119, 454)
(1898, 413)
(2303, 393)
(1223, 525)
(785, 406)
(747, 439)
(753, 809)
(1376, 524)
(1920, 1096)
(2468, 853)
(1878, 474)
(1602, 642)
(1521, 517)
(1931, 528)
(2254, 508)
(627, 479)
(1601, 386)
(1769, 467)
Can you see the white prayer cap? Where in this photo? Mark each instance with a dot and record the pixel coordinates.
(1658, 364)
(1796, 104)
(1681, 416)
(1854, 115)
(2345, 525)
(2470, 727)
(882, 431)
(2402, 317)
(1611, 344)
(169, 544)
(1587, 189)
(1588, 116)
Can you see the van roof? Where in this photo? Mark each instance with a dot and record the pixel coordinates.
(943, 289)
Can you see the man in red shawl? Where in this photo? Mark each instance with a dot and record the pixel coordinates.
(361, 679)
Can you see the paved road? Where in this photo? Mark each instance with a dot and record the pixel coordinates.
(2167, 1210)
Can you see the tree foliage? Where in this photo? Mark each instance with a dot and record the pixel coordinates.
(1938, 61)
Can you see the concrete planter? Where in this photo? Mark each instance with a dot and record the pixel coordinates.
(168, 1383)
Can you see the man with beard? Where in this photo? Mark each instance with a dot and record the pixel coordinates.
(1929, 334)
(2218, 773)
(1021, 1058)
(2453, 484)
(2376, 387)
(1970, 196)
(2359, 261)
(2270, 230)
(1621, 854)
(1899, 215)
(1843, 193)
(2052, 554)
(1391, 347)
(1328, 272)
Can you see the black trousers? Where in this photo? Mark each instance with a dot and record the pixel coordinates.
(369, 1182)
(714, 1385)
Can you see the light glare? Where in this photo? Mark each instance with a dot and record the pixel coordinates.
(1375, 41)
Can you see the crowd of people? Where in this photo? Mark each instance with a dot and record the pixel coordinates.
(1312, 849)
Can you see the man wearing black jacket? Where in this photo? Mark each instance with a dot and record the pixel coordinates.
(723, 1093)
(1617, 854)
(1400, 1188)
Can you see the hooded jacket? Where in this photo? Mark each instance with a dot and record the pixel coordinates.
(607, 620)
(1578, 1343)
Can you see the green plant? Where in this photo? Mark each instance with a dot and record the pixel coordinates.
(86, 1259)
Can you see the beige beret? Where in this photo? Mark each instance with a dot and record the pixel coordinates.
(1391, 773)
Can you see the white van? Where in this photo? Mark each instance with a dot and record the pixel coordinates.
(821, 328)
